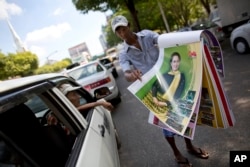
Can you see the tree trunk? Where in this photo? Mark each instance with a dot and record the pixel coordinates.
(131, 7)
(205, 4)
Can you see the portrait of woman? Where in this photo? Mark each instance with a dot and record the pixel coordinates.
(169, 85)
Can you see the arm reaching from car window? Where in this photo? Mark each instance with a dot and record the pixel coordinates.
(73, 96)
(105, 104)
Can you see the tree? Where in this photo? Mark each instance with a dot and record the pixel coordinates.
(3, 74)
(111, 38)
(96, 5)
(21, 64)
(183, 12)
(206, 4)
(152, 20)
(56, 67)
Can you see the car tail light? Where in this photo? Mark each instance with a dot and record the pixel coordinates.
(96, 84)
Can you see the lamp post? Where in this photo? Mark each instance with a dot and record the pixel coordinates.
(55, 51)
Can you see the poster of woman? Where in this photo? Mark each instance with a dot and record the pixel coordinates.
(170, 90)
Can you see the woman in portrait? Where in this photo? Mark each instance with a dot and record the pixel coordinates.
(171, 84)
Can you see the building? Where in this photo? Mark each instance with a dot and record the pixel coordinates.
(80, 53)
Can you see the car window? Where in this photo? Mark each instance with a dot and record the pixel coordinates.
(46, 140)
(36, 104)
(85, 71)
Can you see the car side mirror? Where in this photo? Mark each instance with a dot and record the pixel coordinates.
(102, 92)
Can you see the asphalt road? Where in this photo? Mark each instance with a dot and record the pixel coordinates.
(143, 145)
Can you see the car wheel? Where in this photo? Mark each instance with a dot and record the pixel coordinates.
(115, 74)
(241, 46)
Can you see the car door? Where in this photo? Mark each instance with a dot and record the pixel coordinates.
(99, 148)
(95, 145)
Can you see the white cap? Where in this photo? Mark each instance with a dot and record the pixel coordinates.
(118, 21)
(66, 88)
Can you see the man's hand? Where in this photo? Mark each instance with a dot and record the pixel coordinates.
(133, 75)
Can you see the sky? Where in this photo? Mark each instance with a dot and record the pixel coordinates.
(49, 27)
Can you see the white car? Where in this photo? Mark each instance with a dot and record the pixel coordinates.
(240, 38)
(71, 139)
(93, 76)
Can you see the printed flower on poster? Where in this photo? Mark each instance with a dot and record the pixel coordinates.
(192, 54)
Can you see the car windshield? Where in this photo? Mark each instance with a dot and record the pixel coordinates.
(85, 71)
(105, 61)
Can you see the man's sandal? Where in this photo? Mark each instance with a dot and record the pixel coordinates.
(185, 163)
(201, 154)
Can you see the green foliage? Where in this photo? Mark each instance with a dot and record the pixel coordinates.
(56, 67)
(179, 13)
(152, 21)
(182, 13)
(67, 60)
(26, 63)
(3, 74)
(95, 5)
(111, 38)
(19, 64)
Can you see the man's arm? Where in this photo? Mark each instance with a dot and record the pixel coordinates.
(105, 104)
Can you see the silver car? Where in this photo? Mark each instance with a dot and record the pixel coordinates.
(206, 25)
(211, 26)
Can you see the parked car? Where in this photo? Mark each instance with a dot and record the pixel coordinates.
(26, 138)
(183, 29)
(240, 38)
(112, 54)
(109, 65)
(94, 75)
(72, 66)
(213, 27)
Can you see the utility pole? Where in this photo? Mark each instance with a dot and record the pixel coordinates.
(163, 16)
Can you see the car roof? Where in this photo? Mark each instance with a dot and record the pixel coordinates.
(20, 82)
